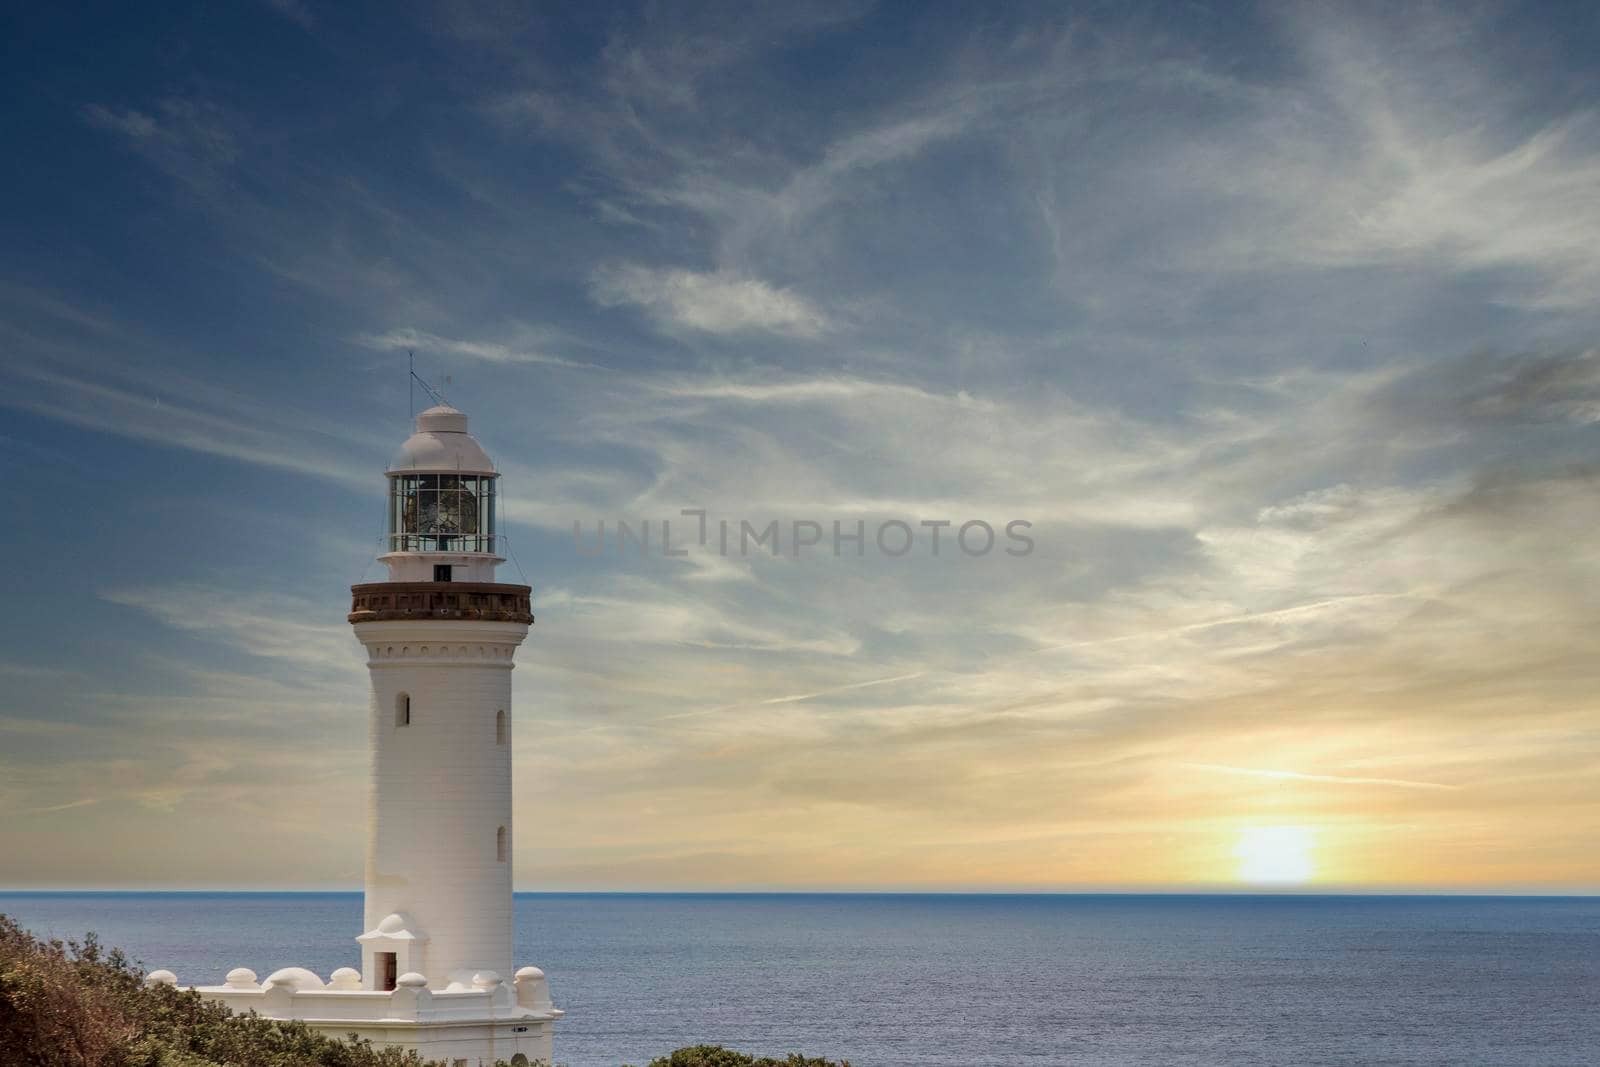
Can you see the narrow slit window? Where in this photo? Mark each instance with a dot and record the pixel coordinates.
(500, 727)
(500, 844)
(402, 710)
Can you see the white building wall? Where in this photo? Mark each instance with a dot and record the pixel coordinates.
(440, 789)
(418, 566)
(494, 1021)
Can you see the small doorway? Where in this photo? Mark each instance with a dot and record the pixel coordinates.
(387, 964)
(441, 572)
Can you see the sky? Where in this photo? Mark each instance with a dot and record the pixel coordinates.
(1276, 325)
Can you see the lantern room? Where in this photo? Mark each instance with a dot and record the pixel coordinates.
(441, 515)
(441, 512)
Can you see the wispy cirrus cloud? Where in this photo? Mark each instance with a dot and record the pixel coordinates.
(164, 417)
(713, 302)
(257, 623)
(823, 390)
(1321, 779)
(407, 338)
(192, 140)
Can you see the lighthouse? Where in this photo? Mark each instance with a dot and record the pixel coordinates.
(441, 637)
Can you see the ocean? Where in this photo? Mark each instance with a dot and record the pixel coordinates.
(973, 980)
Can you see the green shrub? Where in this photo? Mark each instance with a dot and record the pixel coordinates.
(74, 1004)
(717, 1056)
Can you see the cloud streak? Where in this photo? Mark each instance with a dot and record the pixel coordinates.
(407, 339)
(1330, 779)
(713, 303)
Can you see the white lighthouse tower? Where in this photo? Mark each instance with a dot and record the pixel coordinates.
(440, 635)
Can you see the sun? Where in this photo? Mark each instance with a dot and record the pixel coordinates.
(1275, 855)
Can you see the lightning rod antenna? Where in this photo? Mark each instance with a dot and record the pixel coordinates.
(416, 380)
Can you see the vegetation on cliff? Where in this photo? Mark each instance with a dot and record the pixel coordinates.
(77, 1004)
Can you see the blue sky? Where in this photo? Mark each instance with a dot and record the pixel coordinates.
(1278, 325)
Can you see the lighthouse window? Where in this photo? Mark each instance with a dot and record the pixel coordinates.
(402, 710)
(500, 727)
(500, 844)
(441, 512)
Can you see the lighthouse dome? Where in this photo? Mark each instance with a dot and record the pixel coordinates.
(442, 504)
(442, 444)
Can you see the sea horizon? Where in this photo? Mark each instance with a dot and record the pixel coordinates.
(1292, 891)
(950, 979)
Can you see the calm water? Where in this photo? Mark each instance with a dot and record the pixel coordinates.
(975, 981)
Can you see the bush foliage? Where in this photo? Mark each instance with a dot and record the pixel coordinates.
(717, 1056)
(76, 1004)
